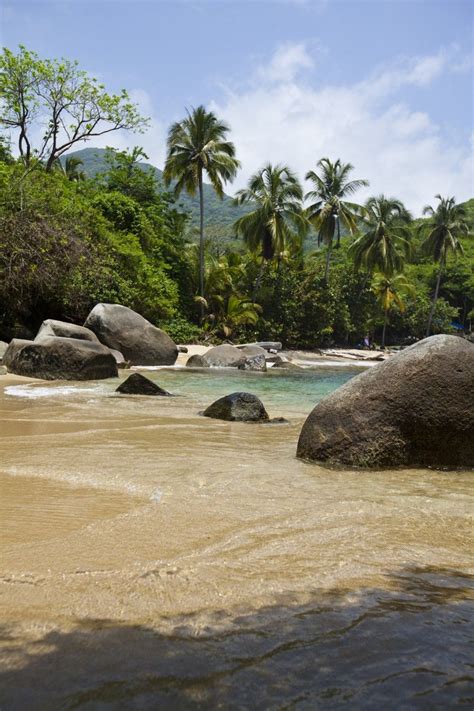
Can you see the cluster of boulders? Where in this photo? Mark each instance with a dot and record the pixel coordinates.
(112, 336)
(415, 409)
(249, 356)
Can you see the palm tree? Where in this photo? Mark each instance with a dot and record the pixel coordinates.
(198, 145)
(226, 308)
(71, 168)
(277, 223)
(443, 229)
(389, 291)
(330, 208)
(386, 243)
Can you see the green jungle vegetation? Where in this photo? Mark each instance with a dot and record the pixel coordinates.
(307, 265)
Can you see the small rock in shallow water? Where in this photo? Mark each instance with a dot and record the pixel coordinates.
(238, 407)
(137, 384)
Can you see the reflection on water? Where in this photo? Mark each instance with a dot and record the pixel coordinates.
(405, 647)
(158, 559)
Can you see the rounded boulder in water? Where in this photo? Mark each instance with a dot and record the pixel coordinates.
(415, 409)
(238, 407)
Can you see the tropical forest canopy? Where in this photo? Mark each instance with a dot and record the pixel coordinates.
(301, 262)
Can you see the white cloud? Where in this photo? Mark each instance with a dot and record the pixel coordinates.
(278, 117)
(287, 62)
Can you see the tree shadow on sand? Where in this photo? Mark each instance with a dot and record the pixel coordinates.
(408, 646)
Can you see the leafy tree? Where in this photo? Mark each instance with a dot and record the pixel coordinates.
(386, 243)
(389, 291)
(62, 100)
(330, 207)
(125, 175)
(198, 145)
(277, 223)
(446, 224)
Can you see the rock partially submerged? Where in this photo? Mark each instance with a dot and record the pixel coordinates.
(224, 356)
(137, 384)
(415, 409)
(122, 329)
(62, 329)
(57, 358)
(238, 407)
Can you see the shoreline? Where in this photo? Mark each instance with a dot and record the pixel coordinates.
(325, 357)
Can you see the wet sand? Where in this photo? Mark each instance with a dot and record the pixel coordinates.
(134, 527)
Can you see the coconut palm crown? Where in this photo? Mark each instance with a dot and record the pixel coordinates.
(277, 221)
(446, 224)
(329, 207)
(385, 244)
(196, 146)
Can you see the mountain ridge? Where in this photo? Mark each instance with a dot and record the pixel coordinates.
(217, 212)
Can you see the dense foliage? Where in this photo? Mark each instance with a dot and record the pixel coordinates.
(336, 273)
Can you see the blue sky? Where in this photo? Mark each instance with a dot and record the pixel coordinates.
(384, 84)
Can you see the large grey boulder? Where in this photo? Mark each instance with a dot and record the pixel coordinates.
(238, 407)
(415, 409)
(51, 327)
(124, 330)
(224, 356)
(138, 384)
(56, 358)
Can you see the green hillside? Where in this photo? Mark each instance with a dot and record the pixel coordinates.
(217, 213)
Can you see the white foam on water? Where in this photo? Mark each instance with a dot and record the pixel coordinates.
(88, 479)
(34, 391)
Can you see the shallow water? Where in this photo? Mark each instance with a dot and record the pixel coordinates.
(155, 558)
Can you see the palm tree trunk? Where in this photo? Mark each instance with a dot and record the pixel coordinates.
(384, 328)
(201, 242)
(435, 298)
(258, 280)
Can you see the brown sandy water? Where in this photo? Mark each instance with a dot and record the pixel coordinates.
(152, 558)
